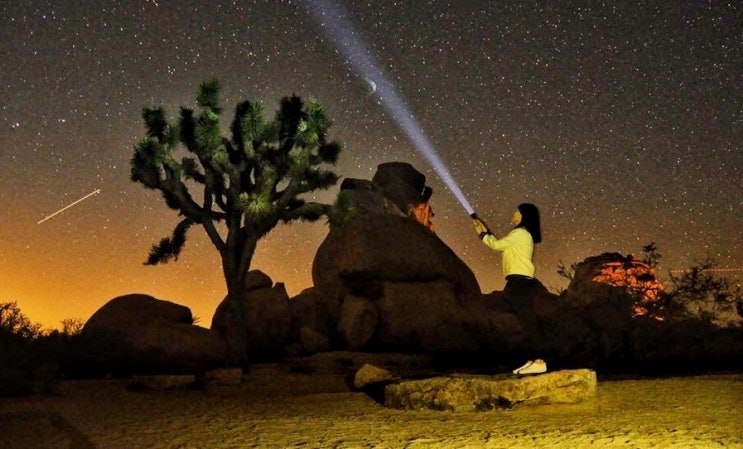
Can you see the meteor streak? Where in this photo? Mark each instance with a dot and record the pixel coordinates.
(94, 192)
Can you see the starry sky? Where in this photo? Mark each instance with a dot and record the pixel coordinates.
(622, 121)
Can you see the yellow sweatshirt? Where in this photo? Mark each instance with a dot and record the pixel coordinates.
(518, 250)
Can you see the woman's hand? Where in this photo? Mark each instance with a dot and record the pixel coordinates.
(480, 227)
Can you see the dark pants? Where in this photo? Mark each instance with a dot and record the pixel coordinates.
(519, 293)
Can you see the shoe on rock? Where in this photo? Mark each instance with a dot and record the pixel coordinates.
(537, 366)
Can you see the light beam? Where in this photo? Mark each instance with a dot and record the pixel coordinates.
(333, 21)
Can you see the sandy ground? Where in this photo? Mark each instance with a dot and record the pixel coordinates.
(279, 409)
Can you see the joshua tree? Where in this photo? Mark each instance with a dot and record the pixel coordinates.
(249, 182)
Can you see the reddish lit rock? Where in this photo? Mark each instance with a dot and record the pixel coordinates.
(635, 277)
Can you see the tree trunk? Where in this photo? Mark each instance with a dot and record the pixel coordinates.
(235, 265)
(234, 332)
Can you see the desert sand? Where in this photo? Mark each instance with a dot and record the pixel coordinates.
(276, 408)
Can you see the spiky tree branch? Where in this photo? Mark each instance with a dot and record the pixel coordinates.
(248, 181)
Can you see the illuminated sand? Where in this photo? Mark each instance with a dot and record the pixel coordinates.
(279, 409)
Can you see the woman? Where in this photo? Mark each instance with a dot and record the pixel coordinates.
(518, 245)
(518, 268)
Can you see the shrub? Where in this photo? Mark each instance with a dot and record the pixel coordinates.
(699, 292)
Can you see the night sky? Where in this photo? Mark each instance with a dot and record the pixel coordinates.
(623, 122)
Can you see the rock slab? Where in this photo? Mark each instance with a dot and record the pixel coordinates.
(472, 392)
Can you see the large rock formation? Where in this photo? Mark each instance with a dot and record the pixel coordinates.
(599, 276)
(389, 282)
(386, 240)
(140, 333)
(612, 316)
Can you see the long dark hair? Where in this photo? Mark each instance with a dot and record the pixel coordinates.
(530, 221)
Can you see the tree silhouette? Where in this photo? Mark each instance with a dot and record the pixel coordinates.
(249, 182)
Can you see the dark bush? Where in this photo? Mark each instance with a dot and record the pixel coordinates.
(606, 336)
(27, 365)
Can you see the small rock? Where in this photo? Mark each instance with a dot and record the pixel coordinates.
(370, 374)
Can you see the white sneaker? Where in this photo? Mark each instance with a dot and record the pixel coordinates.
(537, 366)
(524, 366)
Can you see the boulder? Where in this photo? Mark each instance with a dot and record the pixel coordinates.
(471, 392)
(400, 183)
(312, 341)
(140, 332)
(136, 309)
(355, 258)
(625, 274)
(358, 321)
(595, 321)
(384, 241)
(427, 317)
(369, 198)
(370, 375)
(500, 332)
(311, 309)
(258, 280)
(259, 323)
